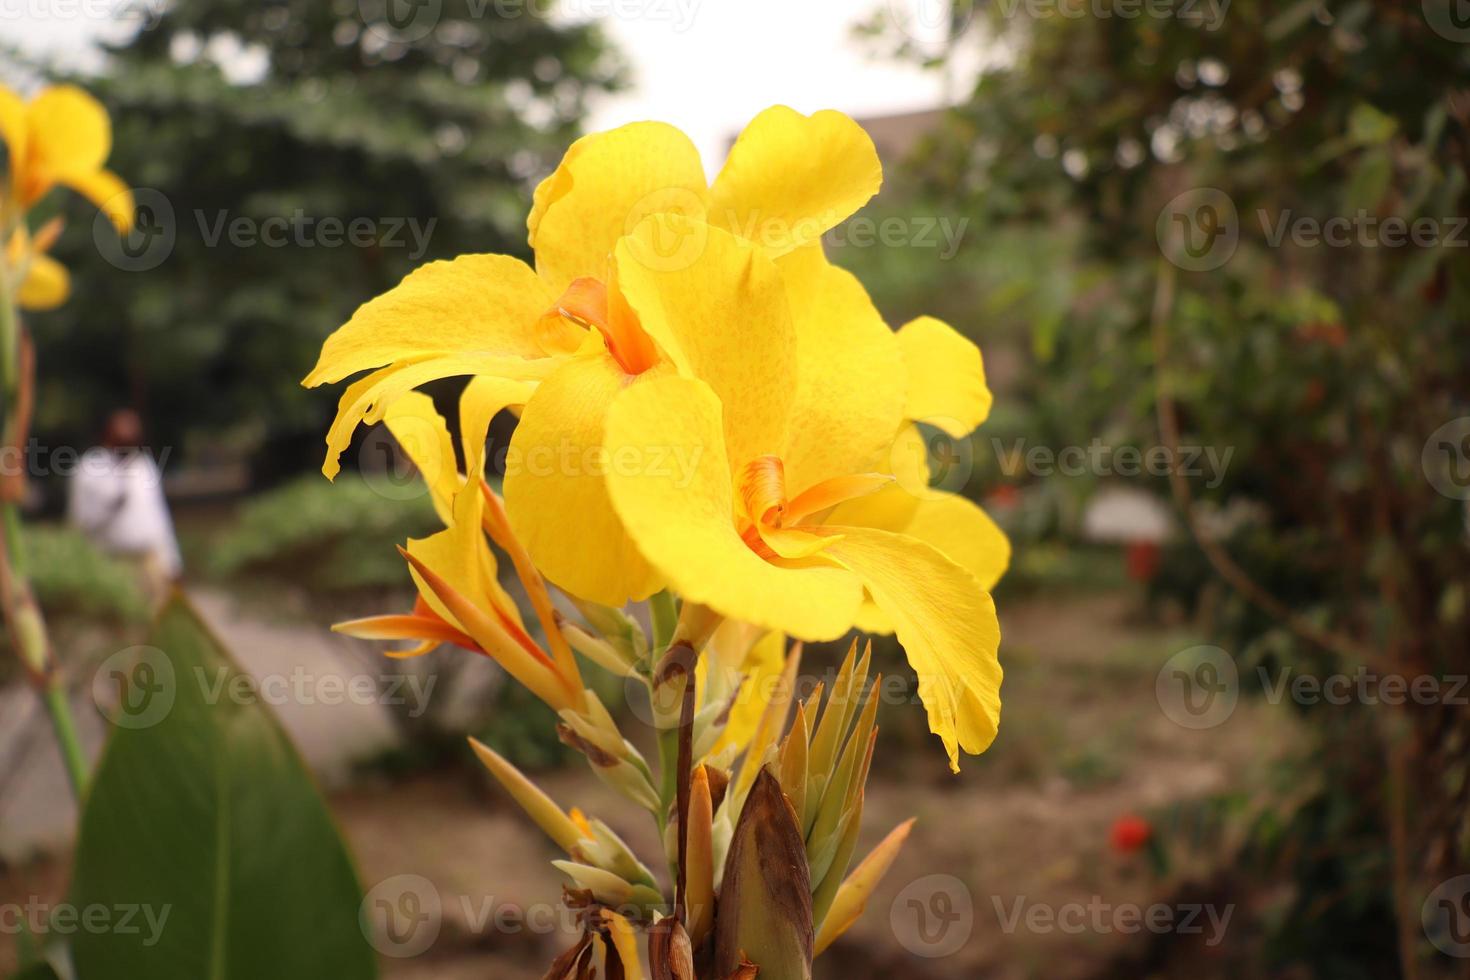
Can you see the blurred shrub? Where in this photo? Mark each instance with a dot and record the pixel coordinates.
(1326, 367)
(74, 579)
(330, 537)
(259, 133)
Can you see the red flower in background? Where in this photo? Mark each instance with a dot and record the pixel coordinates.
(1143, 560)
(1129, 834)
(1331, 334)
(1004, 496)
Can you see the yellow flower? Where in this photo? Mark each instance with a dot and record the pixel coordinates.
(44, 282)
(691, 356)
(764, 526)
(577, 334)
(62, 136)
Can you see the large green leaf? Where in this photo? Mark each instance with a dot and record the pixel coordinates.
(203, 812)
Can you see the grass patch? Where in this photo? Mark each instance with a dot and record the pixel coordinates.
(73, 578)
(329, 537)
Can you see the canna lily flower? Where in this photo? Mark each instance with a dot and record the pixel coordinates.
(568, 329)
(813, 391)
(62, 136)
(773, 525)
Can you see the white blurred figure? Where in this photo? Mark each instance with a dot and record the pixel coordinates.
(117, 501)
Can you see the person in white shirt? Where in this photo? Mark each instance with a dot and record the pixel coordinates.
(117, 501)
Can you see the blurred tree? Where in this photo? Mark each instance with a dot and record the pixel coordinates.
(295, 158)
(1243, 225)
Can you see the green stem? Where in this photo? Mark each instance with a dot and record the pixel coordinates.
(665, 616)
(27, 625)
(66, 735)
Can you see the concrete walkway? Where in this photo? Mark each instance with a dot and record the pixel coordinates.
(325, 689)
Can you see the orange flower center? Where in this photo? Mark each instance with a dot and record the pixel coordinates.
(762, 489)
(594, 304)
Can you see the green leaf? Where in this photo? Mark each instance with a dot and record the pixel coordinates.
(1369, 181)
(1369, 126)
(36, 971)
(207, 821)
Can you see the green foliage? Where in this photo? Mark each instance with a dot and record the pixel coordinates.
(244, 111)
(1324, 365)
(333, 536)
(208, 812)
(72, 578)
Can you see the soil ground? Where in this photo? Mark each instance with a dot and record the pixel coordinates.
(1008, 873)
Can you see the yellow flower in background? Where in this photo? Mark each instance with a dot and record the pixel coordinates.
(44, 282)
(61, 137)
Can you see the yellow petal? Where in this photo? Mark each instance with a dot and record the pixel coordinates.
(422, 433)
(946, 377)
(47, 284)
(764, 663)
(958, 527)
(453, 554)
(368, 399)
(849, 394)
(946, 624)
(106, 190)
(484, 398)
(789, 177)
(70, 135)
(14, 130)
(475, 304)
(604, 186)
(469, 611)
(555, 493)
(722, 318)
(459, 554)
(677, 503)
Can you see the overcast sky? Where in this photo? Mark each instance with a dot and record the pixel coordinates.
(707, 66)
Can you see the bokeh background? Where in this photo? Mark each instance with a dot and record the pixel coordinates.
(1215, 253)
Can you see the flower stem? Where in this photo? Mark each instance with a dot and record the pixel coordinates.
(665, 618)
(23, 619)
(65, 727)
